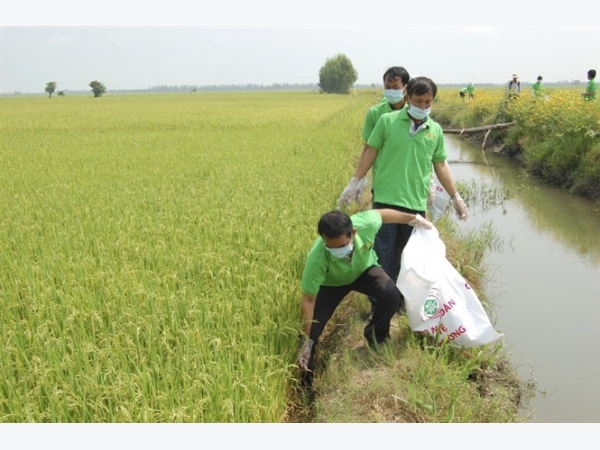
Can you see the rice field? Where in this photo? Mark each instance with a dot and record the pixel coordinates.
(151, 248)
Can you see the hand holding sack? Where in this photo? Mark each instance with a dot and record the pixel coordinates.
(349, 193)
(420, 222)
(431, 193)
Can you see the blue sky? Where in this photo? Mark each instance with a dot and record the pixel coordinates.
(238, 45)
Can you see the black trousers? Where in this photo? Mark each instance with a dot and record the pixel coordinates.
(374, 282)
(389, 244)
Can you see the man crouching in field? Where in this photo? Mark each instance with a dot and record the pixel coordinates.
(341, 260)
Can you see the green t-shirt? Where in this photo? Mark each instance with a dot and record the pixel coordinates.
(464, 90)
(373, 115)
(471, 89)
(537, 88)
(403, 166)
(592, 87)
(324, 269)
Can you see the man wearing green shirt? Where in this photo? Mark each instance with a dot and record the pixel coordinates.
(536, 88)
(471, 90)
(342, 260)
(463, 92)
(395, 80)
(591, 90)
(403, 150)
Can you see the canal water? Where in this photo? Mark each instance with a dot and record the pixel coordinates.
(544, 282)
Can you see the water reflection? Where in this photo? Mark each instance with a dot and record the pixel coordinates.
(545, 282)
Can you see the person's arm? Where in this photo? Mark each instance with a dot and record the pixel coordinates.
(366, 161)
(307, 309)
(393, 216)
(442, 170)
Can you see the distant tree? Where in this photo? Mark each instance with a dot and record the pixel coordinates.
(337, 75)
(50, 88)
(97, 88)
(61, 93)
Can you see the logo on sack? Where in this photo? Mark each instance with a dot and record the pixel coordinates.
(431, 305)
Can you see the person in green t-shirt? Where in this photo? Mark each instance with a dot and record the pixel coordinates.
(536, 88)
(395, 80)
(404, 149)
(471, 90)
(591, 90)
(341, 260)
(463, 92)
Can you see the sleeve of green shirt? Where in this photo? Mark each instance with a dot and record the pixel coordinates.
(378, 135)
(439, 154)
(315, 270)
(368, 126)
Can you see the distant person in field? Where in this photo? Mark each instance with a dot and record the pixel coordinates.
(404, 150)
(514, 87)
(471, 90)
(341, 260)
(536, 88)
(591, 90)
(463, 92)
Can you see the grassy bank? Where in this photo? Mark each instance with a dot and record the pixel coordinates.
(556, 136)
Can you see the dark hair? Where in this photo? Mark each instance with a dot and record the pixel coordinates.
(396, 72)
(592, 73)
(420, 86)
(539, 78)
(335, 224)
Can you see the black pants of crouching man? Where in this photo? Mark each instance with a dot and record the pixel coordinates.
(373, 282)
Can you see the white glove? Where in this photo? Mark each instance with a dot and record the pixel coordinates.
(460, 207)
(304, 356)
(349, 193)
(431, 193)
(420, 222)
(360, 188)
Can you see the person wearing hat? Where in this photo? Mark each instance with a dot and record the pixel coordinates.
(514, 86)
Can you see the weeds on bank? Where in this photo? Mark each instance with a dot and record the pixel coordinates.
(558, 134)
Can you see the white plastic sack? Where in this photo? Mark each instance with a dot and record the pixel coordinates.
(438, 300)
(441, 200)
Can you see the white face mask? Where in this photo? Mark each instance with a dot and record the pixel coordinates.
(393, 95)
(341, 252)
(418, 113)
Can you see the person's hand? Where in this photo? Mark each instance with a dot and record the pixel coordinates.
(420, 222)
(360, 188)
(349, 193)
(460, 207)
(304, 356)
(431, 193)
